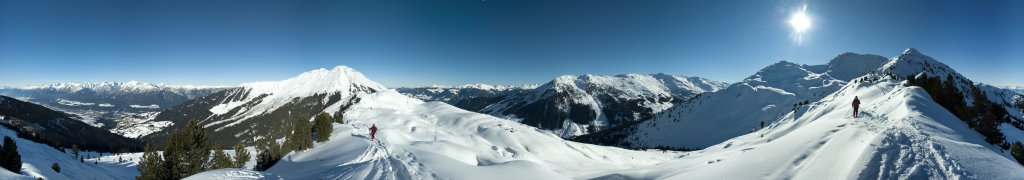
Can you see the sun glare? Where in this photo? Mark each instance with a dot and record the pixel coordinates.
(800, 21)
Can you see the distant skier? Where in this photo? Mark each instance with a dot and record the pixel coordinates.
(856, 106)
(373, 132)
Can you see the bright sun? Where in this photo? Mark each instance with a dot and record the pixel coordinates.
(800, 21)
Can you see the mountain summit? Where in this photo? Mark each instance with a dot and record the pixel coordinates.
(263, 110)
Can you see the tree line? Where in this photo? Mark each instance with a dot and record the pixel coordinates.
(188, 151)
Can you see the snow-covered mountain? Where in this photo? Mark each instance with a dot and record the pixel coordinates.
(711, 118)
(473, 97)
(779, 89)
(905, 132)
(1017, 89)
(121, 107)
(434, 140)
(261, 110)
(901, 134)
(573, 105)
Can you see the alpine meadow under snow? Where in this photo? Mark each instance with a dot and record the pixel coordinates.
(787, 121)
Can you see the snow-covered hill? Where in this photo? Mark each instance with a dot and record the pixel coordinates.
(902, 134)
(574, 105)
(434, 140)
(37, 160)
(473, 97)
(261, 110)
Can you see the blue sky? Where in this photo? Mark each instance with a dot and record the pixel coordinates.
(450, 42)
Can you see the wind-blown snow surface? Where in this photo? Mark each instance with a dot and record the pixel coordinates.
(435, 140)
(901, 134)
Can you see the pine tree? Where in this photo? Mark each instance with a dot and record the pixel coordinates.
(187, 151)
(152, 166)
(323, 127)
(221, 160)
(269, 153)
(1017, 151)
(55, 167)
(339, 117)
(301, 138)
(9, 157)
(241, 156)
(74, 150)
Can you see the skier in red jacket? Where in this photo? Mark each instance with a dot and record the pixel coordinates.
(373, 132)
(856, 105)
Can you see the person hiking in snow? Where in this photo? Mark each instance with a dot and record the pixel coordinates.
(373, 132)
(856, 105)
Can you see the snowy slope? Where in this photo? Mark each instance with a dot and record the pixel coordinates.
(902, 134)
(37, 158)
(913, 63)
(433, 140)
(574, 105)
(765, 96)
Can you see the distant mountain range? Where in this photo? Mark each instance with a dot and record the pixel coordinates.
(129, 96)
(473, 97)
(121, 107)
(58, 129)
(573, 105)
(1017, 89)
